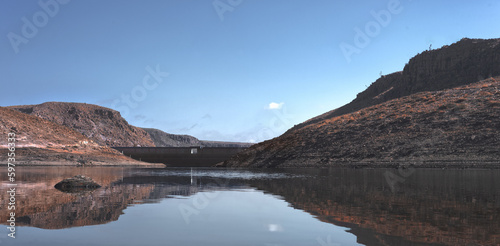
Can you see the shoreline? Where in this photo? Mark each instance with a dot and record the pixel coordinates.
(358, 165)
(59, 164)
(430, 164)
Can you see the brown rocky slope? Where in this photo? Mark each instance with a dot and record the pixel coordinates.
(106, 126)
(460, 125)
(103, 125)
(464, 62)
(42, 142)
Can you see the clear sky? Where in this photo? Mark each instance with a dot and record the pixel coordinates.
(232, 70)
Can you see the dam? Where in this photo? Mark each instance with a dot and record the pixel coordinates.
(195, 156)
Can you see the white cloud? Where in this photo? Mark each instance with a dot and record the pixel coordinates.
(275, 228)
(274, 105)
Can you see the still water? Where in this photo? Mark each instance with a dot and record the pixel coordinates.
(322, 207)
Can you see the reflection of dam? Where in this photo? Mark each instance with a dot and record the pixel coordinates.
(181, 156)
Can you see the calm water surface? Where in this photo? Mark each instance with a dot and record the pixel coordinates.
(256, 207)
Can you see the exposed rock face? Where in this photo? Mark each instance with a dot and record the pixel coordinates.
(163, 139)
(103, 125)
(456, 125)
(42, 142)
(77, 183)
(464, 62)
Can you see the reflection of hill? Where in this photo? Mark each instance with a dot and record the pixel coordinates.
(99, 207)
(448, 207)
(41, 205)
(431, 206)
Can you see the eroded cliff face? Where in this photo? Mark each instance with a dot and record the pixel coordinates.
(458, 125)
(102, 125)
(464, 62)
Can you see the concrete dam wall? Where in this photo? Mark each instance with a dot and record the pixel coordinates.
(181, 156)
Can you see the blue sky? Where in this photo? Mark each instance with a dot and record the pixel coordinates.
(232, 70)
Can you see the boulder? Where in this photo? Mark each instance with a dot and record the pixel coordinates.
(77, 183)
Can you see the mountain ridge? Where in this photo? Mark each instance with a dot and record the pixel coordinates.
(427, 129)
(103, 125)
(43, 142)
(471, 60)
(164, 139)
(453, 70)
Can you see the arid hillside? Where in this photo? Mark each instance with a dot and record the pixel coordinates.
(106, 126)
(42, 142)
(103, 125)
(460, 125)
(461, 63)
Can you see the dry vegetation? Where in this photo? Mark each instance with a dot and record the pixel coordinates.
(451, 127)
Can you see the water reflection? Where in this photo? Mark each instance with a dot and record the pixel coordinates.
(431, 207)
(445, 207)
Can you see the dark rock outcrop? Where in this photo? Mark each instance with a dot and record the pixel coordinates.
(78, 183)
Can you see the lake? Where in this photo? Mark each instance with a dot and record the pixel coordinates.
(270, 207)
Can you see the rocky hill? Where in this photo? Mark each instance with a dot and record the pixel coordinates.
(40, 141)
(103, 125)
(459, 125)
(464, 62)
(163, 139)
(221, 144)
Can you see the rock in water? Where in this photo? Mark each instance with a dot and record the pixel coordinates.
(77, 183)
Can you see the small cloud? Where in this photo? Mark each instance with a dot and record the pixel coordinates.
(274, 105)
(275, 228)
